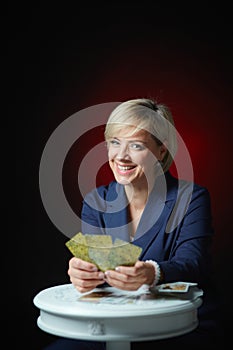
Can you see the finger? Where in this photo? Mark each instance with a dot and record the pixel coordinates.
(120, 284)
(85, 281)
(85, 275)
(135, 270)
(126, 278)
(117, 276)
(85, 286)
(82, 265)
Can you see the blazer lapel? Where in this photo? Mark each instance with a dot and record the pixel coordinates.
(154, 218)
(115, 217)
(157, 211)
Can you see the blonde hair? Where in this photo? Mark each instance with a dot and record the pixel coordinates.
(145, 114)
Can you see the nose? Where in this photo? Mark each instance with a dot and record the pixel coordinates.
(123, 152)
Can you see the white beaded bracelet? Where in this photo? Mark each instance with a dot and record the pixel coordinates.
(157, 271)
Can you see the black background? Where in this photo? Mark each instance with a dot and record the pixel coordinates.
(61, 59)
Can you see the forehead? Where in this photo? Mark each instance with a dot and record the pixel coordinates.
(130, 132)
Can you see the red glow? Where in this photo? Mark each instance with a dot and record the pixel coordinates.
(200, 104)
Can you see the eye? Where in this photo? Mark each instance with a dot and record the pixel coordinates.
(114, 142)
(137, 146)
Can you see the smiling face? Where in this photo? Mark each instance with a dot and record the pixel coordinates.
(133, 156)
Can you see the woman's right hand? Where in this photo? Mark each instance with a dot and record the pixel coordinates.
(84, 276)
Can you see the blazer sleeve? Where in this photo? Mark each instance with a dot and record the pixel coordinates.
(189, 255)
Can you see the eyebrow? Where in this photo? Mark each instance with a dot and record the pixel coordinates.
(131, 141)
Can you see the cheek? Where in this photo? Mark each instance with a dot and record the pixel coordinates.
(110, 154)
(147, 160)
(153, 157)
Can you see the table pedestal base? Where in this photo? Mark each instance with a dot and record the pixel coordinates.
(116, 345)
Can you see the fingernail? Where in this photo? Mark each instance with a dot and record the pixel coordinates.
(117, 269)
(101, 275)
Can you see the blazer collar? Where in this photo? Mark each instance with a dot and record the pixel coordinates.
(164, 190)
(160, 203)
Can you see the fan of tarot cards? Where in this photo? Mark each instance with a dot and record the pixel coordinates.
(102, 251)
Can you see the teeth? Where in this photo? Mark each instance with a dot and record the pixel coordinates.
(124, 167)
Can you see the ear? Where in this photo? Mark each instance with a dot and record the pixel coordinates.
(163, 150)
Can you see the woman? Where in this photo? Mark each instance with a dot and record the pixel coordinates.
(169, 218)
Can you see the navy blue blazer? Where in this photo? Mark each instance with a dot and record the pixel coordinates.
(175, 228)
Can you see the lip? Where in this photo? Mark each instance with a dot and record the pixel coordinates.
(125, 169)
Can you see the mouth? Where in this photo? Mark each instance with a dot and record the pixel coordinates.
(125, 169)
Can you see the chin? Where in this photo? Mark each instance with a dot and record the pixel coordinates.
(122, 181)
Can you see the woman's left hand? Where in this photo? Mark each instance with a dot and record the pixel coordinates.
(131, 277)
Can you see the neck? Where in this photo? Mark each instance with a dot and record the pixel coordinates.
(140, 190)
(137, 196)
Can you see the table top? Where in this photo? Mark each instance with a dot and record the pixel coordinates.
(112, 314)
(111, 302)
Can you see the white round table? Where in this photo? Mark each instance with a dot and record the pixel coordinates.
(115, 316)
